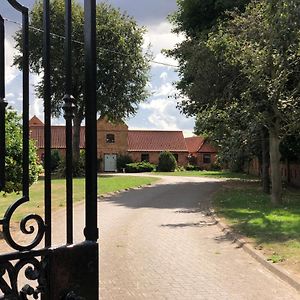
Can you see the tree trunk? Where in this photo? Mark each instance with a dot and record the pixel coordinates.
(76, 136)
(276, 179)
(265, 160)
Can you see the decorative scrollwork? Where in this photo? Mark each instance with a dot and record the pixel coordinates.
(23, 227)
(33, 272)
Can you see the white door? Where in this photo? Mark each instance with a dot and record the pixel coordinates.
(110, 162)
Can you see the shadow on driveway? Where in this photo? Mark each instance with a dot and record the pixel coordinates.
(187, 197)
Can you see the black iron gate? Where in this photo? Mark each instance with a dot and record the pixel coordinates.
(72, 270)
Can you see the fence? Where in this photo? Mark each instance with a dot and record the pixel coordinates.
(290, 172)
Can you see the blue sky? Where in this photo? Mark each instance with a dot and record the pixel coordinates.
(157, 112)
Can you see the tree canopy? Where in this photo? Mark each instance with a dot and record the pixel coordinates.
(122, 67)
(243, 67)
(195, 16)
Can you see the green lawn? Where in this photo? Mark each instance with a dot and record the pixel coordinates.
(105, 184)
(275, 230)
(212, 174)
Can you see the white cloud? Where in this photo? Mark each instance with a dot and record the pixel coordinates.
(166, 89)
(161, 37)
(10, 71)
(163, 114)
(164, 76)
(162, 61)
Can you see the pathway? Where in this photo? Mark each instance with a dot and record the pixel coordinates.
(159, 243)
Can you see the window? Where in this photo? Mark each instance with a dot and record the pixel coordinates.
(110, 138)
(145, 157)
(176, 156)
(206, 158)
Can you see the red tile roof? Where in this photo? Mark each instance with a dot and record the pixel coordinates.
(194, 143)
(208, 148)
(199, 144)
(148, 140)
(58, 138)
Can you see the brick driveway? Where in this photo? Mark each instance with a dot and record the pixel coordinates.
(157, 243)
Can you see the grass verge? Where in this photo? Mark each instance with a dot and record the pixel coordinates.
(106, 184)
(211, 174)
(273, 230)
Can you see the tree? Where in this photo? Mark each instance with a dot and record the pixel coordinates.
(263, 43)
(13, 158)
(250, 58)
(210, 86)
(122, 68)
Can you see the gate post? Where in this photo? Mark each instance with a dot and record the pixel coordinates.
(91, 229)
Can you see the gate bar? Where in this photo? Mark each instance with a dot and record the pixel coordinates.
(2, 103)
(25, 32)
(69, 116)
(91, 229)
(47, 120)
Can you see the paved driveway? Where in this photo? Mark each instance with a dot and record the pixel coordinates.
(158, 243)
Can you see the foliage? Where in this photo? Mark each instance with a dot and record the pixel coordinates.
(290, 147)
(241, 67)
(55, 160)
(13, 158)
(122, 161)
(139, 167)
(166, 162)
(215, 167)
(78, 167)
(194, 16)
(233, 131)
(122, 68)
(253, 41)
(190, 167)
(179, 169)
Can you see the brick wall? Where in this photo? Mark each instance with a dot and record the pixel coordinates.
(120, 145)
(203, 165)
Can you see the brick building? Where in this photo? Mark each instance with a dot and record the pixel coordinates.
(146, 145)
(201, 153)
(141, 145)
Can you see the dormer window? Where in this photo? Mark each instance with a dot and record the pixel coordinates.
(110, 138)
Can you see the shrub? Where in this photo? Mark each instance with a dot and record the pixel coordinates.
(191, 168)
(180, 169)
(166, 162)
(78, 167)
(192, 160)
(122, 161)
(140, 167)
(13, 155)
(215, 167)
(55, 160)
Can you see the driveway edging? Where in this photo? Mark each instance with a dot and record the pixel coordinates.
(277, 270)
